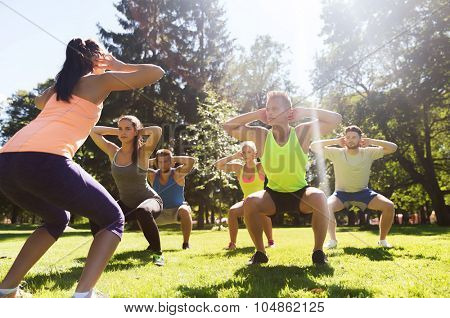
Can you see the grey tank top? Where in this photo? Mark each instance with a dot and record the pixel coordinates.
(131, 181)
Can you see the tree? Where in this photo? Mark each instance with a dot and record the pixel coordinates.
(207, 141)
(252, 74)
(397, 91)
(187, 38)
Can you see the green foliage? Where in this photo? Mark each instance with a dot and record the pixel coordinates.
(265, 67)
(398, 93)
(208, 142)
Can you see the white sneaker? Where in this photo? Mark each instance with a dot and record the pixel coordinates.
(17, 293)
(92, 294)
(331, 244)
(384, 243)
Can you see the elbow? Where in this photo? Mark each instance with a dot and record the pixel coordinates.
(159, 72)
(313, 147)
(38, 103)
(228, 128)
(156, 132)
(93, 131)
(337, 119)
(155, 73)
(394, 148)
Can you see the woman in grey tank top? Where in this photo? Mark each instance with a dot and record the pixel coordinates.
(129, 165)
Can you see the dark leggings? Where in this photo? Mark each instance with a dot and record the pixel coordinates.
(145, 214)
(50, 186)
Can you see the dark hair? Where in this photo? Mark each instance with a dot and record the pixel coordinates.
(78, 63)
(355, 129)
(137, 141)
(162, 153)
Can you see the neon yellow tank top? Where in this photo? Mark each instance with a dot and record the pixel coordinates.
(285, 166)
(253, 186)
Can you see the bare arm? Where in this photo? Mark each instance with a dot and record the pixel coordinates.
(237, 127)
(105, 145)
(186, 164)
(388, 147)
(151, 163)
(125, 76)
(151, 172)
(154, 134)
(322, 122)
(326, 121)
(319, 145)
(151, 175)
(225, 165)
(42, 99)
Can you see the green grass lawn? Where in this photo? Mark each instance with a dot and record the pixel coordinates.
(418, 266)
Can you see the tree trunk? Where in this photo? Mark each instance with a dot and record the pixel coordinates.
(212, 220)
(351, 216)
(14, 214)
(440, 208)
(201, 216)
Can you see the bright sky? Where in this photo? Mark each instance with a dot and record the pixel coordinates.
(30, 54)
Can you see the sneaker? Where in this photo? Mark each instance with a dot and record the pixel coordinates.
(319, 257)
(186, 246)
(158, 259)
(23, 294)
(231, 246)
(270, 244)
(258, 258)
(384, 243)
(93, 294)
(331, 244)
(18, 293)
(98, 294)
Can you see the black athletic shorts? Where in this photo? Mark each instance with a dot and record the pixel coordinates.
(286, 201)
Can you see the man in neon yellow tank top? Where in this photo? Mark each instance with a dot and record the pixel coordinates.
(283, 153)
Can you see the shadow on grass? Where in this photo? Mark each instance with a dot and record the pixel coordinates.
(269, 281)
(380, 254)
(125, 260)
(241, 250)
(372, 253)
(54, 280)
(422, 230)
(65, 279)
(20, 235)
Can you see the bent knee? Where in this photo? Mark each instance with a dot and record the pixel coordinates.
(184, 212)
(57, 225)
(390, 206)
(317, 195)
(115, 222)
(251, 205)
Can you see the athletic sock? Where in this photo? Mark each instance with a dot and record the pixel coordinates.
(82, 295)
(8, 291)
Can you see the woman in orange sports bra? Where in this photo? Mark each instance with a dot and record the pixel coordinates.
(251, 179)
(38, 174)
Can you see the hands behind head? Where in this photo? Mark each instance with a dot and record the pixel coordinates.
(262, 115)
(238, 155)
(341, 141)
(291, 115)
(365, 142)
(107, 62)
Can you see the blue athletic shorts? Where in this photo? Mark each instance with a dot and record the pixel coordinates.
(360, 199)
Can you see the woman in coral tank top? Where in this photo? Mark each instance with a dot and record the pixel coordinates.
(36, 168)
